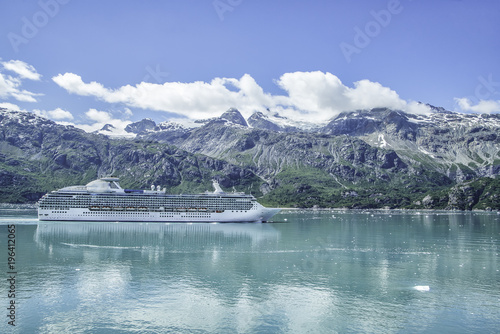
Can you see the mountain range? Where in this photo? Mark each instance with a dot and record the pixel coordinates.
(378, 158)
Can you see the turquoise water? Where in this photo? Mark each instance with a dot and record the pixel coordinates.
(308, 272)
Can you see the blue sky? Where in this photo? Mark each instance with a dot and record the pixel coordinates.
(95, 62)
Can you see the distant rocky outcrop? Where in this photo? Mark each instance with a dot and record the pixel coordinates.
(142, 126)
(260, 121)
(108, 127)
(364, 122)
(234, 116)
(167, 132)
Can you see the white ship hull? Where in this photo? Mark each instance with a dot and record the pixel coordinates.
(77, 214)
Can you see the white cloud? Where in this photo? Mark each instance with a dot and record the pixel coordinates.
(98, 116)
(61, 114)
(56, 114)
(127, 112)
(10, 85)
(24, 70)
(318, 93)
(418, 108)
(483, 106)
(367, 94)
(194, 100)
(311, 96)
(10, 106)
(323, 96)
(99, 119)
(74, 84)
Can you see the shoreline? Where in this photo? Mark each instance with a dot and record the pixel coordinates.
(386, 210)
(11, 206)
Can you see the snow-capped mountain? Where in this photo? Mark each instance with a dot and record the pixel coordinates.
(365, 158)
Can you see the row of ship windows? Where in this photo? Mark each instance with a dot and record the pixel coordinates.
(145, 213)
(174, 197)
(142, 214)
(147, 203)
(104, 207)
(201, 214)
(128, 203)
(148, 200)
(108, 213)
(121, 209)
(187, 205)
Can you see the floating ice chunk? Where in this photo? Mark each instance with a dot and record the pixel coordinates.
(422, 288)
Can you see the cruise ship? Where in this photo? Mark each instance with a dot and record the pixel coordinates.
(104, 200)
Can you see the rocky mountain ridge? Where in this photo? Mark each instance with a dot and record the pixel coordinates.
(416, 152)
(38, 155)
(367, 158)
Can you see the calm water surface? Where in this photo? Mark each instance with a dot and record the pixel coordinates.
(308, 272)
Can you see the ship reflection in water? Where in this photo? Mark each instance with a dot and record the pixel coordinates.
(146, 277)
(146, 235)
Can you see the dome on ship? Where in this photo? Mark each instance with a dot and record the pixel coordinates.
(103, 185)
(98, 186)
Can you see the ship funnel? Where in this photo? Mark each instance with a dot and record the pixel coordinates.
(218, 189)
